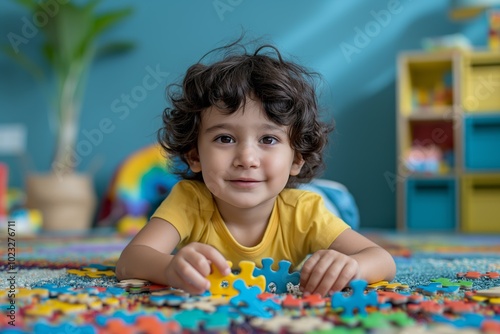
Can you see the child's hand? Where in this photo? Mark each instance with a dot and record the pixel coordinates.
(327, 270)
(189, 268)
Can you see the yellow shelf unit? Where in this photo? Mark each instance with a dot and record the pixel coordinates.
(448, 103)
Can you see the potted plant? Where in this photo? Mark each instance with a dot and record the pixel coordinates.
(71, 31)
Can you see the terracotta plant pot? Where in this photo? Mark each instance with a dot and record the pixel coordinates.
(67, 203)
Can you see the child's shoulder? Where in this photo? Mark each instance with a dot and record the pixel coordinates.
(190, 186)
(194, 191)
(298, 197)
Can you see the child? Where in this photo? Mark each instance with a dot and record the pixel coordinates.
(248, 129)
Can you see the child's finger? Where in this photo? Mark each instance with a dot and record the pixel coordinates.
(325, 274)
(307, 269)
(345, 276)
(214, 256)
(192, 280)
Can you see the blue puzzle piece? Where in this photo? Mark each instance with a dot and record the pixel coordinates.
(249, 304)
(100, 267)
(128, 318)
(435, 287)
(55, 290)
(65, 327)
(170, 300)
(192, 320)
(232, 313)
(358, 300)
(467, 320)
(276, 281)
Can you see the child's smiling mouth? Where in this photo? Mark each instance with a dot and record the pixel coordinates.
(244, 182)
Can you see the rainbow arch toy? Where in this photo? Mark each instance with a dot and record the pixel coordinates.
(140, 183)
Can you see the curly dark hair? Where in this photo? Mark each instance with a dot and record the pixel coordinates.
(285, 89)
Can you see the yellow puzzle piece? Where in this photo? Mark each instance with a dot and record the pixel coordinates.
(223, 285)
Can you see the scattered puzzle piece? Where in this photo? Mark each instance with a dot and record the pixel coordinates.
(446, 282)
(91, 272)
(396, 298)
(193, 319)
(492, 275)
(276, 281)
(467, 320)
(460, 306)
(135, 283)
(66, 327)
(310, 301)
(51, 306)
(433, 288)
(357, 300)
(427, 307)
(291, 324)
(206, 304)
(248, 303)
(55, 290)
(385, 285)
(91, 302)
(470, 275)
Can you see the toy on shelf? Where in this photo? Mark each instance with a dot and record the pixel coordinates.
(440, 95)
(494, 30)
(427, 159)
(447, 42)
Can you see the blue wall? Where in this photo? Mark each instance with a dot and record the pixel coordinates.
(359, 73)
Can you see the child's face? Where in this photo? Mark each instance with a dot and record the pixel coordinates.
(245, 158)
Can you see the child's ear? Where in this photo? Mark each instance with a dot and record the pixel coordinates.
(297, 164)
(193, 159)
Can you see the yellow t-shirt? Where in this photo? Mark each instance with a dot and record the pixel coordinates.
(299, 225)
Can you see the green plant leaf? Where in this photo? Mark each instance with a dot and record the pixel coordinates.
(113, 48)
(106, 20)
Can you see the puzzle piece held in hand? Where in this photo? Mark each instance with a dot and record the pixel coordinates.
(276, 281)
(223, 285)
(357, 300)
(248, 303)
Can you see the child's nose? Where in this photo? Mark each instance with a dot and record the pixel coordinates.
(246, 157)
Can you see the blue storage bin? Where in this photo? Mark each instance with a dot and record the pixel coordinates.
(482, 142)
(431, 204)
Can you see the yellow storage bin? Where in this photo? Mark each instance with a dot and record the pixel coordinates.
(480, 90)
(480, 203)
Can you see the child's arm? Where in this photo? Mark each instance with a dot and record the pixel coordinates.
(350, 256)
(148, 256)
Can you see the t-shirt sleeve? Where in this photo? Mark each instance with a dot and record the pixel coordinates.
(181, 208)
(319, 225)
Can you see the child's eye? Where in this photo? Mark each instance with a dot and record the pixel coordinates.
(224, 139)
(269, 140)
